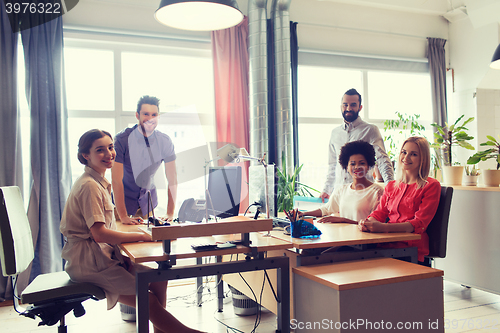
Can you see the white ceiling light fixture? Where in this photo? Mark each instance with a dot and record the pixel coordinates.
(198, 15)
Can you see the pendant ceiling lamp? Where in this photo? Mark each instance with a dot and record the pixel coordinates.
(495, 61)
(199, 15)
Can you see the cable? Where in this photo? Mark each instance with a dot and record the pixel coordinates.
(254, 204)
(256, 301)
(272, 289)
(14, 296)
(258, 317)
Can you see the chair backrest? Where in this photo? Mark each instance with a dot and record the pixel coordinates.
(16, 241)
(438, 228)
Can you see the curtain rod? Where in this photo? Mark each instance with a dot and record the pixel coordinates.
(360, 55)
(124, 33)
(358, 30)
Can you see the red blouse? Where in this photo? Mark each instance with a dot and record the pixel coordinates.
(408, 203)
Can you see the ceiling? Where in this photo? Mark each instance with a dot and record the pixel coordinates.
(479, 10)
(431, 7)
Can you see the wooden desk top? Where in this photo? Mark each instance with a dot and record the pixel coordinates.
(365, 273)
(340, 234)
(227, 226)
(153, 251)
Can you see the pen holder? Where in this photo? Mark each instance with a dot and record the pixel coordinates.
(303, 229)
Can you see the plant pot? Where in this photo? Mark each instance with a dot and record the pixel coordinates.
(491, 178)
(452, 175)
(469, 180)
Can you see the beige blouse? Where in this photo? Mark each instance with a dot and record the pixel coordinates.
(86, 260)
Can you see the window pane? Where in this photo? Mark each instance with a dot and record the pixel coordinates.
(315, 160)
(89, 79)
(321, 89)
(408, 93)
(182, 83)
(78, 126)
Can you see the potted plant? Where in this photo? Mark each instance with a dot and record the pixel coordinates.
(446, 138)
(490, 177)
(404, 123)
(471, 175)
(289, 186)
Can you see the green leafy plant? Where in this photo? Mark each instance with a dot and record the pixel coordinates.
(484, 155)
(404, 123)
(471, 171)
(289, 186)
(449, 135)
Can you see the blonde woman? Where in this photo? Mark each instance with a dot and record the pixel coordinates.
(409, 202)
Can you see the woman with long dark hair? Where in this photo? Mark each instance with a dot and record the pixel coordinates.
(88, 223)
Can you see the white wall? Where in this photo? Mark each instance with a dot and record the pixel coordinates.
(476, 85)
(349, 28)
(123, 15)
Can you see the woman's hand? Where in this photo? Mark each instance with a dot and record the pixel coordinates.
(331, 219)
(372, 226)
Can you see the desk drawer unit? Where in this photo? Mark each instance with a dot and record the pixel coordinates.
(371, 295)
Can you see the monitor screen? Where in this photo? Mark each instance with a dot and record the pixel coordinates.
(224, 191)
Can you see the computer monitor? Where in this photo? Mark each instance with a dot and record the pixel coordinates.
(224, 191)
(256, 188)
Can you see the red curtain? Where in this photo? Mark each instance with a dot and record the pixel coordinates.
(230, 56)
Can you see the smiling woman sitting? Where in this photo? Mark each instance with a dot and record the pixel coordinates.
(88, 223)
(409, 202)
(350, 203)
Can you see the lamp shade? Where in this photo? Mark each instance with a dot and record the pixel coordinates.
(199, 15)
(495, 61)
(228, 153)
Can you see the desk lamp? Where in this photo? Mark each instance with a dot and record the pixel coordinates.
(230, 152)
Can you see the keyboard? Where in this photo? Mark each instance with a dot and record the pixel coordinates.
(204, 247)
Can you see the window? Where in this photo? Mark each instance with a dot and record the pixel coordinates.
(405, 88)
(105, 80)
(89, 79)
(408, 93)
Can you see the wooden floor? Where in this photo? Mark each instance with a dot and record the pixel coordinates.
(466, 310)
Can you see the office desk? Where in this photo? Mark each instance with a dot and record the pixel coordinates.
(181, 248)
(334, 234)
(342, 234)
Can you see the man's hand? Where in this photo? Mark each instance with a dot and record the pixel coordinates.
(166, 218)
(132, 220)
(331, 219)
(324, 196)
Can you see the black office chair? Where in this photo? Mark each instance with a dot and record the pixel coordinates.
(51, 295)
(438, 228)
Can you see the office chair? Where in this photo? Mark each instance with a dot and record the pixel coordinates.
(51, 295)
(438, 228)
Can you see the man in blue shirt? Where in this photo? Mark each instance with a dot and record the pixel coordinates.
(352, 129)
(140, 150)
